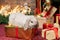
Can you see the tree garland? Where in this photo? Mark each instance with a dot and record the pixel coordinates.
(3, 19)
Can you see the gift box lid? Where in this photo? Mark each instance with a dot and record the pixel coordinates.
(57, 14)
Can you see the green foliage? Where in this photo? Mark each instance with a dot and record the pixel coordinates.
(0, 18)
(31, 13)
(3, 19)
(41, 15)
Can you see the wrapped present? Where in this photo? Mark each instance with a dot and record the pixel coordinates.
(58, 18)
(49, 11)
(56, 25)
(59, 32)
(57, 21)
(37, 11)
(19, 33)
(51, 33)
(41, 21)
(46, 26)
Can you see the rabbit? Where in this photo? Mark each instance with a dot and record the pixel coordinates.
(22, 21)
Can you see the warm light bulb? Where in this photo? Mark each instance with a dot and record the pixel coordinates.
(48, 1)
(38, 16)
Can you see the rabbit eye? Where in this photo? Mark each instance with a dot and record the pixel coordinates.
(31, 21)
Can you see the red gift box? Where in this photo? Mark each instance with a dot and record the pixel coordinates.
(48, 12)
(55, 32)
(58, 18)
(37, 11)
(46, 26)
(19, 33)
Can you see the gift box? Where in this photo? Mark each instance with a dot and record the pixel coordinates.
(46, 25)
(51, 33)
(58, 18)
(41, 21)
(57, 24)
(49, 11)
(57, 21)
(59, 32)
(19, 33)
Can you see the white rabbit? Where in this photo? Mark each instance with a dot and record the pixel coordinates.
(23, 21)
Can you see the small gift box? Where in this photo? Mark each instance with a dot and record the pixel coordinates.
(58, 18)
(49, 11)
(51, 33)
(46, 26)
(59, 32)
(19, 33)
(57, 21)
(41, 21)
(37, 11)
(49, 23)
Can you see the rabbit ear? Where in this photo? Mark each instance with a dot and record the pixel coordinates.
(26, 25)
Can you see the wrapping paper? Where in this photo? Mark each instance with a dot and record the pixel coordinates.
(56, 25)
(52, 12)
(51, 33)
(16, 32)
(58, 15)
(22, 21)
(41, 21)
(46, 26)
(16, 29)
(37, 11)
(59, 32)
(48, 11)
